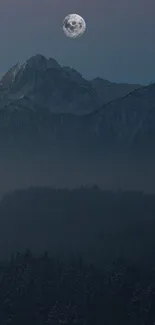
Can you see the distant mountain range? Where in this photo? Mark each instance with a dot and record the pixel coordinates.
(44, 83)
(45, 107)
(110, 113)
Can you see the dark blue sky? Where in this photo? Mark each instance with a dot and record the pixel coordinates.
(119, 43)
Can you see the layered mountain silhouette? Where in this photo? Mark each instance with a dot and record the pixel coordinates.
(41, 89)
(44, 83)
(50, 116)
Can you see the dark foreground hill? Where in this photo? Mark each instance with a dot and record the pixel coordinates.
(95, 224)
(49, 291)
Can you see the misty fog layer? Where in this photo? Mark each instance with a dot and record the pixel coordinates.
(61, 168)
(98, 225)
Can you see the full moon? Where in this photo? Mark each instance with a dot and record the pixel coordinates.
(74, 25)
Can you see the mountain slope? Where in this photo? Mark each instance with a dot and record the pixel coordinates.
(54, 130)
(130, 120)
(108, 91)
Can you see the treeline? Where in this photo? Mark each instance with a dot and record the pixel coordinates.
(45, 290)
(99, 225)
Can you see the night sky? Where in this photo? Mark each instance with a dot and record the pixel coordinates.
(119, 44)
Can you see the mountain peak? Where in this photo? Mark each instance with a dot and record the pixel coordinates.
(39, 62)
(48, 85)
(101, 81)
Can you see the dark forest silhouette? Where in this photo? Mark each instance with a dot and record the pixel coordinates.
(44, 290)
(93, 257)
